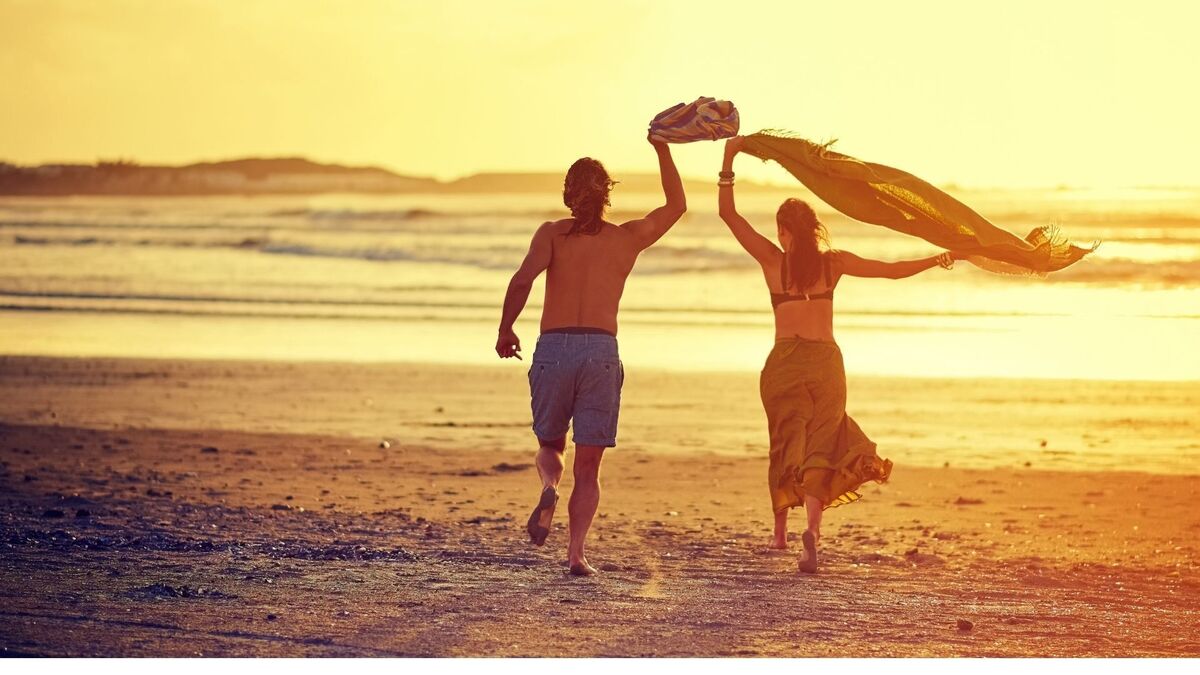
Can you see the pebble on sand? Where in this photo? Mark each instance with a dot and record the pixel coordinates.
(384, 444)
(210, 450)
(965, 625)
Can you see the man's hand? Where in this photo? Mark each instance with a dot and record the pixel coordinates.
(508, 345)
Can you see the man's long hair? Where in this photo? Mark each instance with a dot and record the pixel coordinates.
(585, 192)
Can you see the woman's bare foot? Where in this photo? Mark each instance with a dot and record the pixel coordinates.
(808, 559)
(582, 569)
(779, 542)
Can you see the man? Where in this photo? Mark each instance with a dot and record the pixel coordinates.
(576, 374)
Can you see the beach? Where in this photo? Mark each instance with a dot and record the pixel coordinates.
(176, 507)
(264, 268)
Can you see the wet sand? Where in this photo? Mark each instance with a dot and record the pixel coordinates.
(171, 508)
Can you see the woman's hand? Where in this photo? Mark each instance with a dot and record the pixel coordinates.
(734, 145)
(658, 143)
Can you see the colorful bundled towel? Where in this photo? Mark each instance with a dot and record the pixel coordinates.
(881, 195)
(705, 119)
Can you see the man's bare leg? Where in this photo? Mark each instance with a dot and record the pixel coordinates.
(585, 497)
(550, 468)
(808, 559)
(779, 541)
(550, 464)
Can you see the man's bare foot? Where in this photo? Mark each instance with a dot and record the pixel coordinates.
(777, 544)
(582, 569)
(539, 522)
(808, 559)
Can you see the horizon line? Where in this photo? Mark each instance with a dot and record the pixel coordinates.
(758, 183)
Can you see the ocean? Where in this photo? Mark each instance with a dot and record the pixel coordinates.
(421, 278)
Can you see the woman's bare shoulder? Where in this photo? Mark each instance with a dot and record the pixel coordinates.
(839, 260)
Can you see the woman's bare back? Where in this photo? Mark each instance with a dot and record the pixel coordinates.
(809, 319)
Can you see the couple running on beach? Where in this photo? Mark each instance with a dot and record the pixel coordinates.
(819, 457)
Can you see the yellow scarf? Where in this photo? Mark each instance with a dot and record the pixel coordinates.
(881, 195)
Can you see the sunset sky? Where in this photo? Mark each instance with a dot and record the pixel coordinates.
(1024, 93)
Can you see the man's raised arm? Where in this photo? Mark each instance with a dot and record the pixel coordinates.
(536, 261)
(656, 223)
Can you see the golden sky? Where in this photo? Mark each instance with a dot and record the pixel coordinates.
(990, 94)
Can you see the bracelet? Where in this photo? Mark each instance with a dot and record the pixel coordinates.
(725, 183)
(725, 174)
(945, 260)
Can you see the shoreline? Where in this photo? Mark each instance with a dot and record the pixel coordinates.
(501, 366)
(1077, 425)
(938, 347)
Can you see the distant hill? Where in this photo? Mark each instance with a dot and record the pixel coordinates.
(257, 166)
(282, 175)
(279, 175)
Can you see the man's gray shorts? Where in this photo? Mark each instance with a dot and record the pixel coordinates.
(576, 377)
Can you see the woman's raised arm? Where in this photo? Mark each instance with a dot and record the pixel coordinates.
(758, 246)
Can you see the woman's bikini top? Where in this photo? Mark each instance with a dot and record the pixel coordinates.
(778, 299)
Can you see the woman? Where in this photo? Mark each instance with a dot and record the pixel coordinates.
(819, 456)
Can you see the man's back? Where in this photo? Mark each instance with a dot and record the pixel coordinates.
(586, 276)
(576, 375)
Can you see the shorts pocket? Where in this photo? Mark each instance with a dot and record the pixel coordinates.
(539, 368)
(611, 375)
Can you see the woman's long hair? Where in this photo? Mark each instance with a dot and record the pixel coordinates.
(585, 192)
(803, 258)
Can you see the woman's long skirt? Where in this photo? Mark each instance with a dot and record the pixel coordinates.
(816, 449)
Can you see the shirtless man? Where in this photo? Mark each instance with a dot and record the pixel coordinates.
(576, 374)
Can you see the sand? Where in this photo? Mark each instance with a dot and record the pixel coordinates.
(175, 508)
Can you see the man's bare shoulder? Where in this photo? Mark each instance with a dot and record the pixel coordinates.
(609, 232)
(561, 226)
(629, 227)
